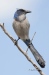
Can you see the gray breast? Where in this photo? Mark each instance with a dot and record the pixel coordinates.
(22, 29)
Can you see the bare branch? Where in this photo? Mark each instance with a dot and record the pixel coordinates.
(31, 41)
(19, 48)
(33, 36)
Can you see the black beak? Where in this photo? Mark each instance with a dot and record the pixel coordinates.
(27, 11)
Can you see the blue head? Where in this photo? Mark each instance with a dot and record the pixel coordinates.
(20, 12)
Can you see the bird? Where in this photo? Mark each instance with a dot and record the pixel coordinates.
(21, 27)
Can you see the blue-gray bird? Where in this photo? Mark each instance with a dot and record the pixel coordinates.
(21, 27)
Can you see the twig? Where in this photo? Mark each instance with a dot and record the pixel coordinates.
(23, 52)
(31, 41)
(33, 36)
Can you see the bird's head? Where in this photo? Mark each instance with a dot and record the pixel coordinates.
(20, 12)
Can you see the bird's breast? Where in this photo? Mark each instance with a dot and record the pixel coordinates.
(21, 28)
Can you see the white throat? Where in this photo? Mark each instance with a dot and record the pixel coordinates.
(22, 17)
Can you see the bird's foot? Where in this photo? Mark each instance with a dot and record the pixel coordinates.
(15, 42)
(29, 44)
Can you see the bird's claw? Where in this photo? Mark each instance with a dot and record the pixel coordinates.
(15, 42)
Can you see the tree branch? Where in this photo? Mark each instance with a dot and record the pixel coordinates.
(31, 41)
(21, 50)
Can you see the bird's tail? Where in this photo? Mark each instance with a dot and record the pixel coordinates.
(36, 54)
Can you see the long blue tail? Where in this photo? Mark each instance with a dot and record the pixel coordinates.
(36, 54)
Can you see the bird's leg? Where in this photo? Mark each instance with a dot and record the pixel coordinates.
(16, 40)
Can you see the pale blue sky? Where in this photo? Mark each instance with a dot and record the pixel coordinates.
(13, 62)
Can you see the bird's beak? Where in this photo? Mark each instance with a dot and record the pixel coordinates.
(28, 11)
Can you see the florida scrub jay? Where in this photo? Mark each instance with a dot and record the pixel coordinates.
(21, 27)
